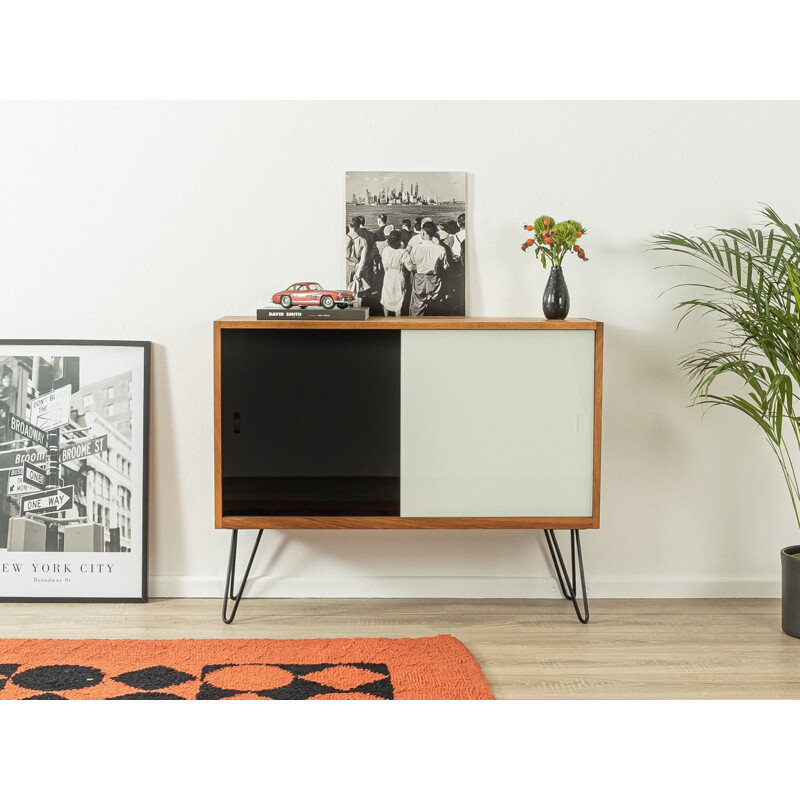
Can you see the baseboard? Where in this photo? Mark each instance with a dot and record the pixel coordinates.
(462, 587)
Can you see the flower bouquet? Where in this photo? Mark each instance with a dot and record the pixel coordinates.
(551, 241)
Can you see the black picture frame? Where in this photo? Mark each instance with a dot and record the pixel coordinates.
(117, 417)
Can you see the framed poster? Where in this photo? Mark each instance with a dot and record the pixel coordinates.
(74, 450)
(405, 242)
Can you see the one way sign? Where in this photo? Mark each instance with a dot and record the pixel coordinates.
(51, 500)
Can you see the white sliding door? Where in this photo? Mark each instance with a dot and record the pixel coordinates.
(496, 423)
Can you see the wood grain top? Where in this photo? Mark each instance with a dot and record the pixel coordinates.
(416, 323)
(402, 523)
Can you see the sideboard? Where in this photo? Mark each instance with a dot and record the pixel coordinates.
(408, 422)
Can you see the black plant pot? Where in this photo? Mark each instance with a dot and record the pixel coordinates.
(555, 302)
(790, 591)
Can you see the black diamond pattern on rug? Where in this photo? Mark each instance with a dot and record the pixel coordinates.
(154, 678)
(298, 681)
(217, 681)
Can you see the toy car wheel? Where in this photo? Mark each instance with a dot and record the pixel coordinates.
(286, 301)
(342, 305)
(327, 301)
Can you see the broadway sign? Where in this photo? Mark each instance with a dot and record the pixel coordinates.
(23, 428)
(74, 451)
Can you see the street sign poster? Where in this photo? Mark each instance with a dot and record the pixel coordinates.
(51, 410)
(49, 501)
(34, 476)
(24, 429)
(74, 459)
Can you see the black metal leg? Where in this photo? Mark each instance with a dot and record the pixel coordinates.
(569, 587)
(229, 579)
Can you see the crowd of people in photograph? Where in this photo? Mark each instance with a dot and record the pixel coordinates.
(415, 270)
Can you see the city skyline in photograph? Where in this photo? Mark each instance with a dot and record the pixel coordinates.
(441, 187)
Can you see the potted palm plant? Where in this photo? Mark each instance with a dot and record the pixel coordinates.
(749, 283)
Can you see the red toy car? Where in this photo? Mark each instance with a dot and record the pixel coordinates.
(312, 294)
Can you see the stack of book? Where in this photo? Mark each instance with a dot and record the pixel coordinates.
(275, 312)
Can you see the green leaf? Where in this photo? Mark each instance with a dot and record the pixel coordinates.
(749, 288)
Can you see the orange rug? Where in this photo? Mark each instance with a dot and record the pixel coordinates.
(435, 668)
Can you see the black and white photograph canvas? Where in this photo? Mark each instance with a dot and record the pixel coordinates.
(73, 470)
(405, 242)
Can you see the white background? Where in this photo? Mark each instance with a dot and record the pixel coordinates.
(617, 49)
(149, 220)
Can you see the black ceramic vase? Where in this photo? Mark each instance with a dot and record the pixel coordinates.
(555, 302)
(790, 591)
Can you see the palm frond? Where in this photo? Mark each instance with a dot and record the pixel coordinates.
(750, 287)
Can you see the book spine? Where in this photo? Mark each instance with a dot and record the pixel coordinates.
(349, 314)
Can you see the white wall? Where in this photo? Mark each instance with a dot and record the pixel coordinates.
(150, 220)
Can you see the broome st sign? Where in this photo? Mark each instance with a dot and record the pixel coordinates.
(16, 458)
(73, 451)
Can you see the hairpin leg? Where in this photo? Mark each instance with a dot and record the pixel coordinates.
(569, 587)
(229, 579)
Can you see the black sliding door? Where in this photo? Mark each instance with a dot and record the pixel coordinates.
(310, 422)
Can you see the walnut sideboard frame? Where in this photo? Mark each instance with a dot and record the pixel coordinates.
(224, 519)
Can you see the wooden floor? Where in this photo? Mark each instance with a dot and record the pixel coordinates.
(528, 649)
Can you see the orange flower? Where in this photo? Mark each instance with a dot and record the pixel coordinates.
(546, 222)
(528, 227)
(529, 242)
